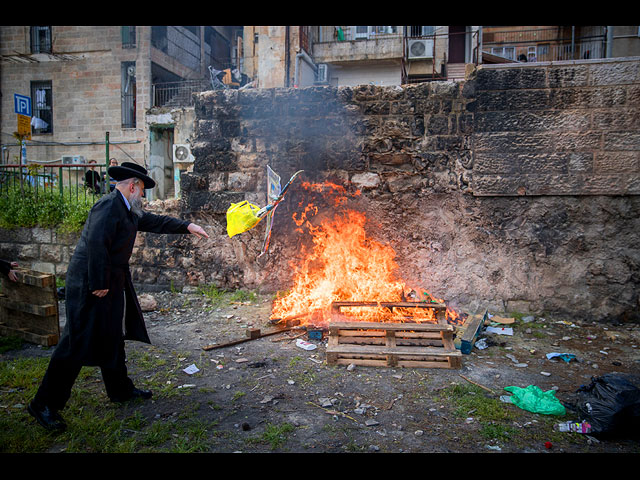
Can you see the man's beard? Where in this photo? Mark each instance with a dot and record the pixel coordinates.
(136, 205)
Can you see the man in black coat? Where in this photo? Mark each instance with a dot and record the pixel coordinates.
(101, 304)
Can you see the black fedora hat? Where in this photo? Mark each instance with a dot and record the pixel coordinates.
(130, 170)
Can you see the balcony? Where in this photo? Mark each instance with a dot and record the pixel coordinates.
(178, 94)
(348, 44)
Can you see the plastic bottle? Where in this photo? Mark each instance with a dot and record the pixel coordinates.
(576, 427)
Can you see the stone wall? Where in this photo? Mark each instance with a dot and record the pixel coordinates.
(514, 190)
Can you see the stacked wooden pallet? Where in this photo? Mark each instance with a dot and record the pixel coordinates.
(29, 308)
(393, 344)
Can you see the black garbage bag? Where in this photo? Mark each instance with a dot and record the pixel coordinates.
(611, 404)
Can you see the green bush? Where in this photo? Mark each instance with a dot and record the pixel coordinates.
(29, 207)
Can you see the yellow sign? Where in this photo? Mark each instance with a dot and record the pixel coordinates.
(24, 126)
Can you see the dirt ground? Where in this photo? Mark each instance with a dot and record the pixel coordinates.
(243, 389)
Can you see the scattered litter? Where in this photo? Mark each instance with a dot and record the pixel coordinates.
(576, 427)
(187, 385)
(315, 334)
(481, 344)
(191, 369)
(548, 445)
(528, 319)
(305, 345)
(494, 447)
(546, 374)
(371, 423)
(505, 398)
(567, 357)
(533, 399)
(241, 360)
(502, 320)
(500, 330)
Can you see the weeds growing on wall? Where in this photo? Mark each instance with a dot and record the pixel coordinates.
(66, 211)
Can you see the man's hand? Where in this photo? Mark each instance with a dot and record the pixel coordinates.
(100, 293)
(197, 230)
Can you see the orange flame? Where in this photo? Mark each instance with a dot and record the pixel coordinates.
(347, 265)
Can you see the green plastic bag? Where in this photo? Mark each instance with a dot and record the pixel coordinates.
(535, 400)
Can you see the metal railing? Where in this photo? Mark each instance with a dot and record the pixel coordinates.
(66, 180)
(324, 34)
(178, 94)
(545, 44)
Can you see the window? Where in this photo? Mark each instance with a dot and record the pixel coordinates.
(128, 35)
(128, 94)
(422, 31)
(504, 52)
(41, 39)
(41, 108)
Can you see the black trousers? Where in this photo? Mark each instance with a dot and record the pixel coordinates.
(55, 388)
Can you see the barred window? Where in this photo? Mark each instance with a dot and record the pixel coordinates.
(41, 39)
(128, 35)
(42, 107)
(128, 93)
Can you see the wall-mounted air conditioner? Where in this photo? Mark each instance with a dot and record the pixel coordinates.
(73, 160)
(182, 153)
(322, 73)
(420, 49)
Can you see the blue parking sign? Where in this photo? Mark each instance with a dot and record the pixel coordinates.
(22, 104)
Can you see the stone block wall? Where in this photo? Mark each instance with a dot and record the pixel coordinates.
(558, 129)
(514, 190)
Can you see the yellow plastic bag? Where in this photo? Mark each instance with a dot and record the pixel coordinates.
(241, 217)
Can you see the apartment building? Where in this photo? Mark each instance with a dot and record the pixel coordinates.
(352, 55)
(91, 87)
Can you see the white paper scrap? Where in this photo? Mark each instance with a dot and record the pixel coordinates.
(305, 345)
(499, 330)
(191, 369)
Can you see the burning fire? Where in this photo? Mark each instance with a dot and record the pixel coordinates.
(347, 265)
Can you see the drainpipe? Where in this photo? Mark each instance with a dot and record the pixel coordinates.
(302, 54)
(609, 53)
(287, 56)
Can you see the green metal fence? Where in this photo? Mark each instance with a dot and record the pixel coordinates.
(79, 180)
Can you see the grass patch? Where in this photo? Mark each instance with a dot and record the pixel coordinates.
(274, 435)
(218, 296)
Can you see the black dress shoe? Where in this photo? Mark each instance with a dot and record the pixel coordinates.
(49, 419)
(135, 393)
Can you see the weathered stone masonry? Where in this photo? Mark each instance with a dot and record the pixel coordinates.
(516, 190)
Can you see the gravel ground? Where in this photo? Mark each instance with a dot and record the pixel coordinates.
(245, 391)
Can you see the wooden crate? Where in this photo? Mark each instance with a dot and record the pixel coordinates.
(29, 307)
(411, 345)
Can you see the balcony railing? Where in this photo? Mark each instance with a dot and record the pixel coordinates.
(178, 94)
(545, 44)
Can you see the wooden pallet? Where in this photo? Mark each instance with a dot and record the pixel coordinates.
(411, 345)
(29, 307)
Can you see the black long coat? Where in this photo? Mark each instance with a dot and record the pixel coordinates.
(94, 328)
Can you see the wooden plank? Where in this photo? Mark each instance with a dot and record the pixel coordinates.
(29, 307)
(46, 340)
(414, 327)
(397, 350)
(335, 306)
(40, 310)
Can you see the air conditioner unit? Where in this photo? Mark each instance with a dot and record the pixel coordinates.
(73, 160)
(420, 49)
(322, 73)
(182, 153)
